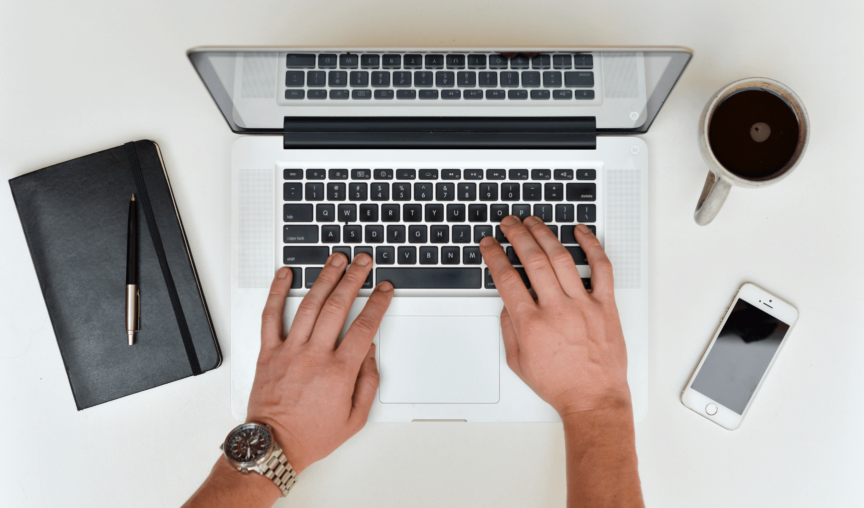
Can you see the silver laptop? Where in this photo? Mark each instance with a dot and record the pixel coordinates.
(413, 156)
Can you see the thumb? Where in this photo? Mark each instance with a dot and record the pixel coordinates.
(364, 390)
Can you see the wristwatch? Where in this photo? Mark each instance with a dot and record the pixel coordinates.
(251, 447)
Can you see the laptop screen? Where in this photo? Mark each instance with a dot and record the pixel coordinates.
(257, 89)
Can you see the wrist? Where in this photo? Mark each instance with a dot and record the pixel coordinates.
(290, 446)
(252, 485)
(611, 402)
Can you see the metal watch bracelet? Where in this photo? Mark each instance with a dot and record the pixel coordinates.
(279, 471)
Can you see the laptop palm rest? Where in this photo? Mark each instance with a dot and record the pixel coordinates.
(439, 359)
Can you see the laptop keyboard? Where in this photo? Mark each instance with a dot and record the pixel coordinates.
(438, 77)
(422, 226)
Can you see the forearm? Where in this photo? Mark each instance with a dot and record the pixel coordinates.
(227, 487)
(601, 458)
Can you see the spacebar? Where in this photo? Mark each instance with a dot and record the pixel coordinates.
(431, 278)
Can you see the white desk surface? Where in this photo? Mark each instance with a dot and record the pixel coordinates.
(83, 76)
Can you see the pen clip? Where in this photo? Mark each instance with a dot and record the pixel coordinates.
(138, 304)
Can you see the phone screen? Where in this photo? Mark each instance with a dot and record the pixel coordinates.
(740, 355)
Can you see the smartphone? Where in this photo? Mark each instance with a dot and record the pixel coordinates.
(739, 356)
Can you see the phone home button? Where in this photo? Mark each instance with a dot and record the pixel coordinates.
(711, 409)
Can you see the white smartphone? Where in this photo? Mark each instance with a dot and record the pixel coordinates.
(742, 351)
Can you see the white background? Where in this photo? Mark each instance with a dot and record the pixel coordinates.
(83, 76)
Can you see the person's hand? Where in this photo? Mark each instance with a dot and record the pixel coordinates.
(314, 393)
(566, 344)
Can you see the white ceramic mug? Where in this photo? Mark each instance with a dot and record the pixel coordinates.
(720, 179)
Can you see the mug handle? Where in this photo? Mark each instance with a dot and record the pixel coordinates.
(712, 198)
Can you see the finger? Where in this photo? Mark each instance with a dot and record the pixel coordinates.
(507, 280)
(271, 318)
(331, 319)
(602, 282)
(560, 259)
(544, 281)
(362, 331)
(307, 312)
(364, 390)
(511, 344)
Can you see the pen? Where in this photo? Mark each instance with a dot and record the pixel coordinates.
(133, 296)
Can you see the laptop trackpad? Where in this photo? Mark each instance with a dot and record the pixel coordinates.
(439, 359)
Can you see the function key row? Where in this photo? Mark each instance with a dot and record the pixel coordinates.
(437, 61)
(446, 94)
(433, 174)
(441, 79)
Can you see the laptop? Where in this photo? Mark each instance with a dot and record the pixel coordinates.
(414, 155)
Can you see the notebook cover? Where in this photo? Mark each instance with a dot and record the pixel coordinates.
(74, 216)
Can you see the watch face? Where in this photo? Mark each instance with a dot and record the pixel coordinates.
(248, 443)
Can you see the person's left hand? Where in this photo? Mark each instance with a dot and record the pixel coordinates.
(315, 394)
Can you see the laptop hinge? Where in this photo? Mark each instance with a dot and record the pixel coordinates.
(574, 132)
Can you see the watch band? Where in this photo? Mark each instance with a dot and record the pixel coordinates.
(279, 471)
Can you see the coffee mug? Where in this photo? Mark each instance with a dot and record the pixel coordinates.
(752, 133)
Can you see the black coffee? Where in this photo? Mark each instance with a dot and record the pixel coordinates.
(753, 134)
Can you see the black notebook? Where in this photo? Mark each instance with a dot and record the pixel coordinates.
(75, 216)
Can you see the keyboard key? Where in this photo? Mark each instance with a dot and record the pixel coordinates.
(297, 279)
(530, 79)
(294, 79)
(488, 192)
(339, 95)
(329, 234)
(402, 79)
(428, 255)
(406, 174)
(434, 61)
(488, 79)
(407, 255)
(417, 234)
(451, 94)
(559, 95)
(369, 61)
(428, 174)
(567, 235)
(517, 95)
(385, 255)
(499, 235)
(449, 255)
(312, 275)
(292, 192)
(384, 94)
(476, 61)
(561, 61)
(316, 174)
(374, 234)
(295, 94)
(344, 250)
(496, 94)
(495, 174)
(360, 174)
(480, 232)
(300, 234)
(554, 192)
(445, 78)
(461, 234)
(473, 94)
(297, 213)
(451, 174)
(428, 94)
(431, 277)
(391, 61)
(335, 192)
(581, 192)
(564, 213)
(352, 234)
(406, 94)
(300, 61)
(348, 61)
(455, 61)
(509, 79)
(466, 79)
(579, 79)
(292, 174)
(584, 95)
(553, 228)
(314, 192)
(412, 213)
(338, 174)
(381, 79)
(498, 62)
(578, 255)
(347, 213)
(540, 95)
(368, 213)
(325, 213)
(327, 61)
(471, 256)
(359, 78)
(396, 234)
(552, 79)
(511, 255)
(586, 213)
(476, 213)
(361, 94)
(583, 61)
(423, 78)
(423, 192)
(473, 174)
(440, 234)
(543, 212)
(357, 191)
(383, 174)
(541, 174)
(363, 250)
(586, 174)
(317, 94)
(380, 192)
(455, 213)
(519, 62)
(522, 211)
(337, 79)
(563, 174)
(509, 192)
(467, 191)
(413, 62)
(305, 255)
(541, 62)
(532, 192)
(445, 192)
(434, 213)
(401, 192)
(389, 213)
(518, 174)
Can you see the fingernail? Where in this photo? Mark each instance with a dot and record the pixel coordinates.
(385, 286)
(361, 260)
(509, 220)
(336, 260)
(583, 228)
(282, 272)
(486, 241)
(530, 221)
(372, 350)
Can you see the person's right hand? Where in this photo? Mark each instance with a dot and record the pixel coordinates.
(567, 345)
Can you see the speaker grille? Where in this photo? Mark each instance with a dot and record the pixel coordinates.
(619, 76)
(259, 76)
(255, 228)
(624, 226)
